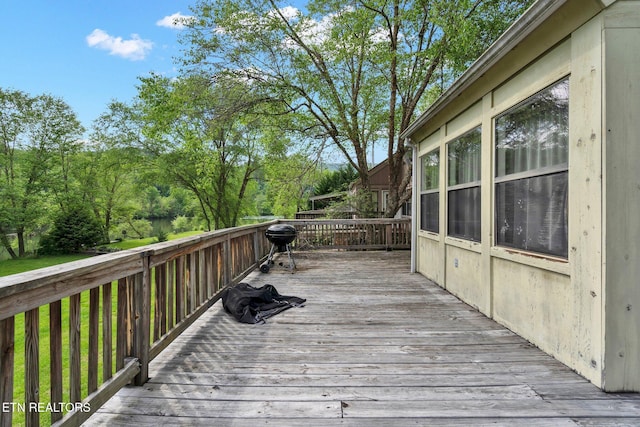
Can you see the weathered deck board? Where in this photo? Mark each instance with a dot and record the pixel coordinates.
(374, 346)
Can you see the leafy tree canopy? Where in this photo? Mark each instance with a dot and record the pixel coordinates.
(336, 181)
(353, 74)
(202, 136)
(38, 137)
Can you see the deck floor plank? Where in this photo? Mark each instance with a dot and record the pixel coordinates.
(373, 346)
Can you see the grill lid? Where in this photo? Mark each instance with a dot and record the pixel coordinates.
(281, 234)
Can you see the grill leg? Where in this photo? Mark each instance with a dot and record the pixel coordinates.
(266, 266)
(292, 262)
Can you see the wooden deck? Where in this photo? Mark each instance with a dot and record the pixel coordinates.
(374, 346)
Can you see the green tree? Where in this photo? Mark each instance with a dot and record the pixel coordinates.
(38, 136)
(74, 229)
(336, 181)
(358, 203)
(204, 140)
(58, 127)
(111, 170)
(291, 179)
(354, 74)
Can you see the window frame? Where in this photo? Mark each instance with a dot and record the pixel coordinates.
(429, 192)
(467, 185)
(532, 174)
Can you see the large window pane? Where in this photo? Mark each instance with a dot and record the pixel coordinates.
(464, 158)
(429, 192)
(464, 213)
(429, 212)
(532, 154)
(534, 134)
(532, 214)
(430, 171)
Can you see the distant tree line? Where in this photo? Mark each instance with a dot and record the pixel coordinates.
(157, 157)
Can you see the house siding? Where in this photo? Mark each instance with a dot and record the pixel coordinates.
(621, 38)
(585, 309)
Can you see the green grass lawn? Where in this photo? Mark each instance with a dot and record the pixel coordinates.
(44, 349)
(8, 267)
(13, 266)
(130, 244)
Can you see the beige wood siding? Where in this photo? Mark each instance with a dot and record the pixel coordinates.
(583, 310)
(622, 195)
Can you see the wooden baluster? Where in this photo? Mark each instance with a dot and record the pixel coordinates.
(171, 283)
(74, 349)
(94, 331)
(107, 332)
(180, 274)
(218, 267)
(122, 323)
(158, 308)
(55, 355)
(161, 295)
(191, 301)
(202, 276)
(210, 272)
(7, 335)
(226, 259)
(32, 364)
(130, 314)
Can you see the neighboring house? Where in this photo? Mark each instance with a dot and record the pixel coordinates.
(379, 186)
(527, 186)
(320, 203)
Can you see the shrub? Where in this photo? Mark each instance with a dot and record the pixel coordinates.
(162, 236)
(73, 230)
(181, 224)
(131, 229)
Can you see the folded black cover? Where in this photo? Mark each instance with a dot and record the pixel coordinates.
(253, 305)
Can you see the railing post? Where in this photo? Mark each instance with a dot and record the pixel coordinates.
(142, 320)
(7, 334)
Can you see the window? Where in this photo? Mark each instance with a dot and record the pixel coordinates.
(464, 186)
(532, 173)
(429, 192)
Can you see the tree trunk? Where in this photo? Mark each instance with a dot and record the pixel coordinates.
(7, 244)
(21, 245)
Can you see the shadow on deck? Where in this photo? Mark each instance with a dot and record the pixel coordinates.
(375, 346)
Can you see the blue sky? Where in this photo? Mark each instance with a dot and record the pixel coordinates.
(87, 52)
(90, 52)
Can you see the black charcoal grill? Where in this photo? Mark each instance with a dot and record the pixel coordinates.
(280, 236)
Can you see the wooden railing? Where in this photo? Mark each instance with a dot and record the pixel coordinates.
(122, 309)
(383, 233)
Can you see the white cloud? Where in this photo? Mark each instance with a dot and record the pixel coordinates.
(134, 48)
(176, 21)
(289, 12)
